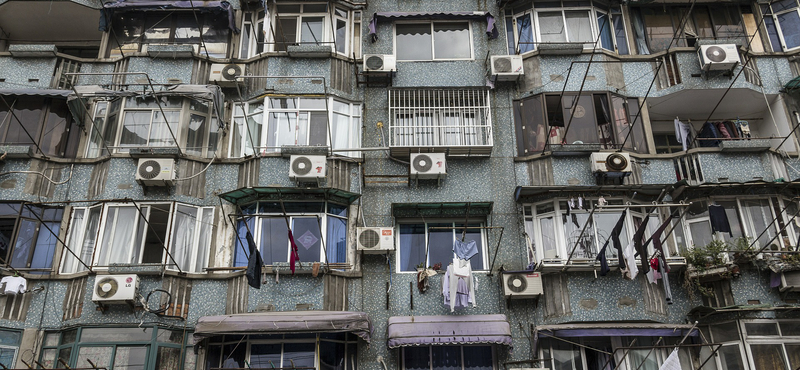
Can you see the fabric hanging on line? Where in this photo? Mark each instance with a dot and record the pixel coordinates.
(465, 250)
(723, 130)
(665, 279)
(656, 239)
(254, 263)
(14, 285)
(614, 237)
(683, 133)
(629, 254)
(709, 131)
(640, 249)
(293, 255)
(743, 127)
(458, 285)
(719, 219)
(672, 362)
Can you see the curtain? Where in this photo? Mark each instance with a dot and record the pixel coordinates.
(604, 24)
(204, 242)
(336, 243)
(183, 236)
(639, 35)
(525, 33)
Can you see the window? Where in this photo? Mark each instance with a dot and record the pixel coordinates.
(448, 358)
(26, 242)
(730, 354)
(654, 27)
(207, 32)
(128, 236)
(600, 118)
(37, 120)
(317, 228)
(9, 346)
(433, 41)
(136, 122)
(554, 22)
(332, 351)
(593, 353)
(440, 118)
(429, 243)
(119, 348)
(772, 344)
(784, 22)
(295, 121)
(748, 217)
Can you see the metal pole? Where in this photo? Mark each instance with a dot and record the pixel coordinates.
(585, 225)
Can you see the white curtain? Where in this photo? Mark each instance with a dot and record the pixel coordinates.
(183, 235)
(204, 242)
(118, 235)
(70, 263)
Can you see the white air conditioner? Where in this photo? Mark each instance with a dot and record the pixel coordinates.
(524, 284)
(307, 167)
(507, 67)
(530, 368)
(718, 57)
(428, 166)
(375, 239)
(790, 281)
(379, 63)
(611, 162)
(155, 171)
(226, 74)
(112, 289)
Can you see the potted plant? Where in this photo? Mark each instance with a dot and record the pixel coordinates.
(710, 262)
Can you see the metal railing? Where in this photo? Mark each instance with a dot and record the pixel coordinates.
(687, 167)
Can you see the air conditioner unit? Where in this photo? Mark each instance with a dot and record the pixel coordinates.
(523, 284)
(225, 74)
(428, 166)
(155, 171)
(379, 63)
(718, 57)
(506, 67)
(790, 281)
(375, 239)
(530, 368)
(307, 167)
(611, 162)
(111, 289)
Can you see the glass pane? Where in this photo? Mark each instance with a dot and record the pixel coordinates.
(446, 357)
(525, 33)
(7, 357)
(619, 34)
(412, 246)
(135, 128)
(157, 28)
(512, 46)
(451, 41)
(99, 356)
(282, 129)
(478, 358)
(27, 116)
(51, 339)
(161, 133)
(116, 335)
(24, 243)
(183, 234)
(274, 241)
(311, 30)
(336, 242)
(659, 28)
(547, 227)
(793, 350)
(758, 328)
(731, 357)
(341, 35)
(169, 336)
(551, 27)
(416, 358)
(265, 356)
(204, 243)
(196, 134)
(767, 356)
(58, 121)
(701, 233)
(286, 33)
(307, 236)
(298, 354)
(583, 129)
(45, 246)
(790, 328)
(413, 42)
(579, 26)
(440, 244)
(242, 249)
(49, 358)
(318, 128)
(168, 358)
(340, 131)
(725, 332)
(760, 215)
(332, 356)
(135, 358)
(233, 356)
(604, 25)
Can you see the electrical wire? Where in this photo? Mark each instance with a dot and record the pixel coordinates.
(43, 175)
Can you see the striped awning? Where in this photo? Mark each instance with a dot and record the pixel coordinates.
(407, 331)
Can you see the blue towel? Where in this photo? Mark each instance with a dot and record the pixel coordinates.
(465, 250)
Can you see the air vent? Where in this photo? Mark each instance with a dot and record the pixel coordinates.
(718, 57)
(149, 169)
(502, 65)
(614, 162)
(226, 74)
(115, 288)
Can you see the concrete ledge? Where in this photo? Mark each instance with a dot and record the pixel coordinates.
(41, 50)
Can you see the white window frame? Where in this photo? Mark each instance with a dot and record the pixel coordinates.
(456, 234)
(775, 15)
(263, 126)
(433, 40)
(592, 21)
(463, 347)
(779, 339)
(249, 36)
(98, 248)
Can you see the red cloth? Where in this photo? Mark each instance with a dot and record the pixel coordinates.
(293, 256)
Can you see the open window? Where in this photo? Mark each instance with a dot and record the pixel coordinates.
(69, 26)
(28, 236)
(654, 27)
(40, 121)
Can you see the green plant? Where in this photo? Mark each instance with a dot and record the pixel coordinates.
(708, 256)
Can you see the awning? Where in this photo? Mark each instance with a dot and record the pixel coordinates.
(212, 93)
(287, 322)
(248, 195)
(614, 329)
(491, 30)
(527, 192)
(449, 209)
(35, 92)
(407, 331)
(214, 7)
(793, 84)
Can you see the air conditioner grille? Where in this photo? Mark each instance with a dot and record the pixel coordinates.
(502, 65)
(517, 283)
(716, 54)
(375, 62)
(301, 166)
(107, 288)
(616, 162)
(423, 163)
(369, 238)
(231, 71)
(149, 169)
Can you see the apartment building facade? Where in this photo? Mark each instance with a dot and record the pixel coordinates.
(383, 157)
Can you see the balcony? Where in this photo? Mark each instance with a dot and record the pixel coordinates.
(452, 121)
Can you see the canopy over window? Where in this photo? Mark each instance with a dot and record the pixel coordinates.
(407, 331)
(274, 193)
(35, 92)
(614, 329)
(214, 7)
(491, 30)
(449, 209)
(287, 322)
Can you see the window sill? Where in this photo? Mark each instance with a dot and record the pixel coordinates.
(675, 263)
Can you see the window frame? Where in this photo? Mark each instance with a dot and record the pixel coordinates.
(432, 24)
(484, 237)
(138, 43)
(24, 214)
(777, 24)
(78, 234)
(263, 126)
(350, 341)
(778, 339)
(70, 132)
(463, 348)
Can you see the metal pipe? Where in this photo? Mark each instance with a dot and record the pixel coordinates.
(626, 206)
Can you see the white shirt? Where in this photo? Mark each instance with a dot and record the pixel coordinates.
(14, 285)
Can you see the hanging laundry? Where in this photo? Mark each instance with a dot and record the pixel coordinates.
(465, 250)
(656, 238)
(665, 280)
(614, 237)
(683, 133)
(654, 275)
(743, 127)
(723, 131)
(640, 249)
(629, 254)
(731, 127)
(294, 257)
(458, 285)
(14, 285)
(709, 131)
(719, 219)
(672, 362)
(580, 203)
(254, 263)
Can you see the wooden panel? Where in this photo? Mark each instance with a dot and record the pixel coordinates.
(556, 296)
(180, 293)
(36, 184)
(342, 75)
(15, 307)
(248, 173)
(541, 172)
(97, 181)
(237, 299)
(338, 174)
(654, 296)
(257, 68)
(73, 299)
(195, 186)
(200, 70)
(334, 293)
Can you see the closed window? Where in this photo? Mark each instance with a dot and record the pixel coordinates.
(43, 123)
(9, 347)
(749, 218)
(301, 351)
(433, 41)
(319, 230)
(655, 27)
(290, 121)
(450, 357)
(115, 233)
(784, 20)
(429, 243)
(28, 236)
(207, 32)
